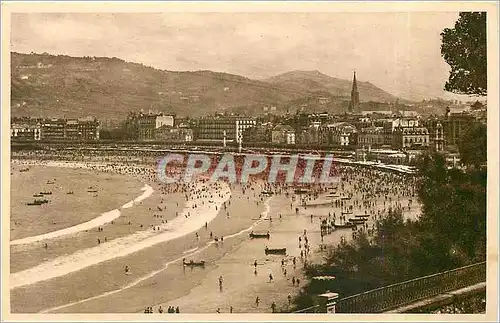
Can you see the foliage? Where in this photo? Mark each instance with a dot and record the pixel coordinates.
(464, 49)
(473, 145)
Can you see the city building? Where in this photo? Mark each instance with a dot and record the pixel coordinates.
(410, 137)
(25, 131)
(142, 126)
(259, 134)
(164, 120)
(53, 129)
(167, 133)
(88, 129)
(283, 134)
(146, 126)
(436, 133)
(312, 134)
(229, 127)
(372, 137)
(342, 134)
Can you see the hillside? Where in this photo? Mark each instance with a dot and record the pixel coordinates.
(108, 88)
(314, 81)
(59, 86)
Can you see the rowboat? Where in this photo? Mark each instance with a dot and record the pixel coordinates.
(45, 193)
(259, 235)
(192, 263)
(362, 215)
(357, 221)
(347, 225)
(38, 202)
(275, 251)
(37, 195)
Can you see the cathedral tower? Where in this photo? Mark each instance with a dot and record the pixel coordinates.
(354, 95)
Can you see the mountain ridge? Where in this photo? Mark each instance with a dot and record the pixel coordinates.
(108, 88)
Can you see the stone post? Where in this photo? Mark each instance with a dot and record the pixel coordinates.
(327, 302)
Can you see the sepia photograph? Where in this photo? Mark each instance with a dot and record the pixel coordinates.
(282, 161)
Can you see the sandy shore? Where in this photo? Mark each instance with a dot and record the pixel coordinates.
(120, 247)
(157, 277)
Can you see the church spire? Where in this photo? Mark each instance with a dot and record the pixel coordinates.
(354, 95)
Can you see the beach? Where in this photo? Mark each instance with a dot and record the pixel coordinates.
(132, 267)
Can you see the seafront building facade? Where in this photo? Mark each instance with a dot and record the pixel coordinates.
(220, 128)
(27, 129)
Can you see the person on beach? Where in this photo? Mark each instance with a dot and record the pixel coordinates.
(257, 300)
(126, 269)
(255, 264)
(270, 277)
(220, 283)
(160, 310)
(273, 307)
(293, 281)
(218, 310)
(177, 310)
(231, 309)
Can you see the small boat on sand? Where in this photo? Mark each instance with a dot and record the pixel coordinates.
(37, 195)
(362, 215)
(50, 182)
(260, 235)
(92, 191)
(357, 221)
(301, 191)
(192, 263)
(70, 192)
(347, 225)
(275, 251)
(45, 193)
(38, 202)
(265, 192)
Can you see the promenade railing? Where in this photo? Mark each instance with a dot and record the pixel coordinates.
(407, 292)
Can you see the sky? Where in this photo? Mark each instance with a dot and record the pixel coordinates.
(398, 52)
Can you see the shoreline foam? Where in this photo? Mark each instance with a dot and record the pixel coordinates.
(188, 253)
(121, 247)
(104, 218)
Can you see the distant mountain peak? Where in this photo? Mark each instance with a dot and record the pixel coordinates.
(315, 81)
